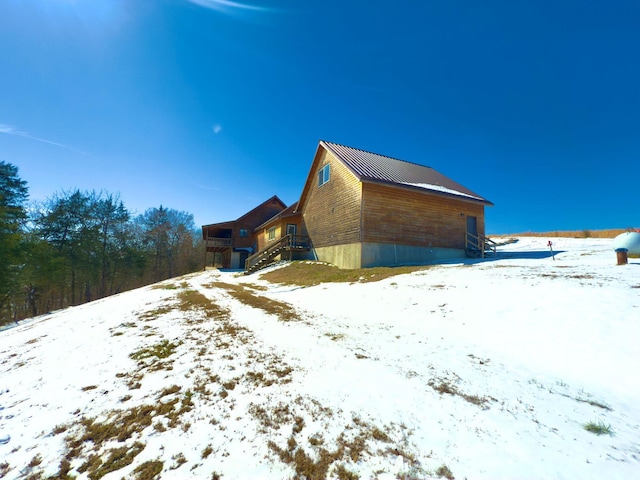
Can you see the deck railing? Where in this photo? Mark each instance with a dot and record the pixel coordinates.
(219, 242)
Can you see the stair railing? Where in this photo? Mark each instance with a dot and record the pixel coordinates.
(289, 242)
(481, 243)
(265, 252)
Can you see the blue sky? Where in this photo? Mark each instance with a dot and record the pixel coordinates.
(212, 106)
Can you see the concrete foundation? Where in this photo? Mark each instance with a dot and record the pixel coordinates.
(364, 255)
(393, 255)
(342, 256)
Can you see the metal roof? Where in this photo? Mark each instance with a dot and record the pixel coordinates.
(273, 199)
(287, 212)
(372, 167)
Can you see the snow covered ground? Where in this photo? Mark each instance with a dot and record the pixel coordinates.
(479, 369)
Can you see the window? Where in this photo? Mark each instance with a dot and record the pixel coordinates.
(272, 233)
(244, 232)
(323, 175)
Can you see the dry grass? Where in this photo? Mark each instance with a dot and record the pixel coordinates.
(133, 381)
(588, 401)
(193, 300)
(118, 458)
(309, 453)
(335, 336)
(353, 445)
(259, 379)
(611, 233)
(122, 425)
(306, 274)
(165, 286)
(207, 451)
(92, 439)
(148, 470)
(179, 460)
(444, 472)
(169, 391)
(188, 300)
(160, 350)
(443, 386)
(58, 429)
(155, 313)
(281, 310)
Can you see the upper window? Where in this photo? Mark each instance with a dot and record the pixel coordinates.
(272, 233)
(244, 232)
(323, 175)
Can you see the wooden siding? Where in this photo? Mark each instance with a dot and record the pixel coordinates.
(261, 239)
(331, 212)
(403, 216)
(251, 220)
(231, 230)
(262, 236)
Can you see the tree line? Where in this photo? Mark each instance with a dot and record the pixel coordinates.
(80, 246)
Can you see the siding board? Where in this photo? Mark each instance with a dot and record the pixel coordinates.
(262, 236)
(403, 216)
(332, 211)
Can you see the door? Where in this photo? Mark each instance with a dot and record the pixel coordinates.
(292, 228)
(472, 232)
(243, 259)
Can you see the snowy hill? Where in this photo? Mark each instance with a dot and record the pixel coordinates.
(480, 370)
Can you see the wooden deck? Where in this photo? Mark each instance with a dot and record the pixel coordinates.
(217, 244)
(288, 243)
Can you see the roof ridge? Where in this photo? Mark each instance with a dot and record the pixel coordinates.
(374, 167)
(374, 153)
(274, 197)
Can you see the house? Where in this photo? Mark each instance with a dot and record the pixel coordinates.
(283, 236)
(287, 222)
(229, 244)
(361, 209)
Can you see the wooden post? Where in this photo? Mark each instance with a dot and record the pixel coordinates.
(204, 260)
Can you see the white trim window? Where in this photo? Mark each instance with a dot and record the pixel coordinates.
(324, 174)
(271, 234)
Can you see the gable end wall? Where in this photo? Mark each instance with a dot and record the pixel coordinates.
(332, 211)
(250, 222)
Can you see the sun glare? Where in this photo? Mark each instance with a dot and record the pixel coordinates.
(228, 6)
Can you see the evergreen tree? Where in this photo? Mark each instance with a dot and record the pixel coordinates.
(166, 233)
(111, 217)
(65, 225)
(13, 195)
(81, 246)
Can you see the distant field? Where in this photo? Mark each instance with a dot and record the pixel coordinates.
(611, 233)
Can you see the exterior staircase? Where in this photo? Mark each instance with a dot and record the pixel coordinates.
(479, 246)
(285, 246)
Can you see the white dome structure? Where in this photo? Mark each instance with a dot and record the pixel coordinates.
(628, 240)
